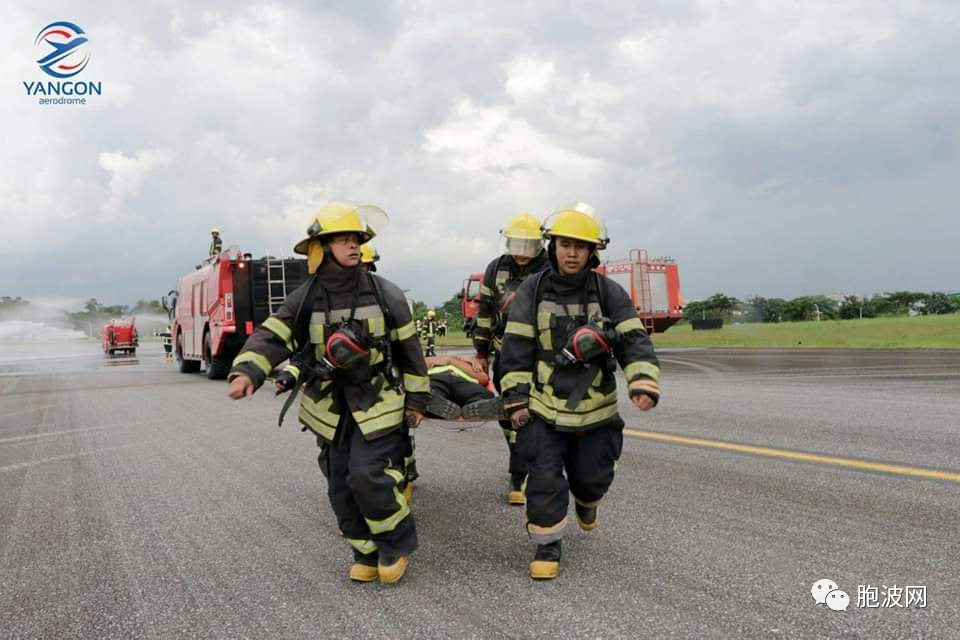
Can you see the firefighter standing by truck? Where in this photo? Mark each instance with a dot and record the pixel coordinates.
(430, 332)
(567, 329)
(350, 338)
(216, 244)
(522, 257)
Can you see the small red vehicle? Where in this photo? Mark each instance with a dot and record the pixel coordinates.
(120, 336)
(470, 302)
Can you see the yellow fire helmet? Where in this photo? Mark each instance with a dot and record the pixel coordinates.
(215, 230)
(579, 222)
(431, 313)
(523, 236)
(369, 255)
(339, 217)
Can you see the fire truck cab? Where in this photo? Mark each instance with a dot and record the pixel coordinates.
(653, 285)
(217, 306)
(470, 302)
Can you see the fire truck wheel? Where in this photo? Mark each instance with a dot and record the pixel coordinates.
(217, 367)
(185, 366)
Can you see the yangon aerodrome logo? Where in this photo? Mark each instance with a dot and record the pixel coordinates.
(63, 49)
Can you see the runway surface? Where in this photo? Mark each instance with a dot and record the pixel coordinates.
(138, 502)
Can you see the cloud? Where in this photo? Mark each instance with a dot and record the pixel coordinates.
(127, 175)
(771, 148)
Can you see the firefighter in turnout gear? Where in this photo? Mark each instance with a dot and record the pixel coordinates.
(352, 348)
(430, 331)
(215, 242)
(568, 328)
(369, 257)
(522, 257)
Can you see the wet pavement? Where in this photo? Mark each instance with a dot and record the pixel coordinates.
(136, 501)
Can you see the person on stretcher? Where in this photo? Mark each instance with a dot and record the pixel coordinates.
(460, 388)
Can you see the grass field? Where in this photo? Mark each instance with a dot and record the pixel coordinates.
(920, 332)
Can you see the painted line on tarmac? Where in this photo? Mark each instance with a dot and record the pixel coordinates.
(48, 434)
(68, 456)
(798, 456)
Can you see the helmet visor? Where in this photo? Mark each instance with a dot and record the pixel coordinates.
(522, 247)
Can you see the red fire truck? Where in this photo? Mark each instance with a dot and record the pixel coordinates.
(653, 285)
(470, 302)
(217, 306)
(120, 336)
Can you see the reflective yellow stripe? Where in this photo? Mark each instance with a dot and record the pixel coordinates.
(634, 369)
(457, 371)
(406, 331)
(511, 435)
(377, 326)
(520, 329)
(630, 324)
(295, 371)
(387, 412)
(316, 425)
(389, 524)
(316, 333)
(589, 411)
(376, 356)
(249, 356)
(416, 384)
(544, 371)
(483, 322)
(366, 547)
(396, 474)
(280, 329)
(485, 290)
(543, 531)
(514, 378)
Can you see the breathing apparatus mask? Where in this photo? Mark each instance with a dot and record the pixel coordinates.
(585, 344)
(345, 350)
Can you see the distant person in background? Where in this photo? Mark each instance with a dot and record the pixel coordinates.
(215, 243)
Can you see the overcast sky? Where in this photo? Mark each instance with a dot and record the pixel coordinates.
(771, 148)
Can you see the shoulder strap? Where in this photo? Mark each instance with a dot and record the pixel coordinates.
(384, 308)
(536, 300)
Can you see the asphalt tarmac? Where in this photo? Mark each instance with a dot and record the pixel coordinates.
(138, 502)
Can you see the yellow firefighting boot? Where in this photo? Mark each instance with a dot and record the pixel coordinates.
(364, 567)
(546, 562)
(587, 517)
(515, 496)
(392, 569)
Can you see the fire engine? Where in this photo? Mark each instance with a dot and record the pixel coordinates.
(653, 285)
(470, 302)
(120, 336)
(216, 307)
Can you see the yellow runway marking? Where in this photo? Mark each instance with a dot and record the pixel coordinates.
(799, 456)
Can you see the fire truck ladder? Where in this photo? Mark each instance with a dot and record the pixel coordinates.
(276, 283)
(645, 296)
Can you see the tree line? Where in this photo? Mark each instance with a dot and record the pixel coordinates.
(89, 319)
(820, 307)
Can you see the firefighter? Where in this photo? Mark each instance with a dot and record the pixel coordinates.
(215, 242)
(430, 330)
(352, 348)
(369, 256)
(522, 257)
(567, 330)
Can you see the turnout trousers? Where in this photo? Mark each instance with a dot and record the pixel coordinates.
(587, 458)
(517, 465)
(365, 481)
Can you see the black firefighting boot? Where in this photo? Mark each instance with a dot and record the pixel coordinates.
(489, 409)
(443, 408)
(546, 562)
(515, 496)
(364, 567)
(587, 517)
(391, 569)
